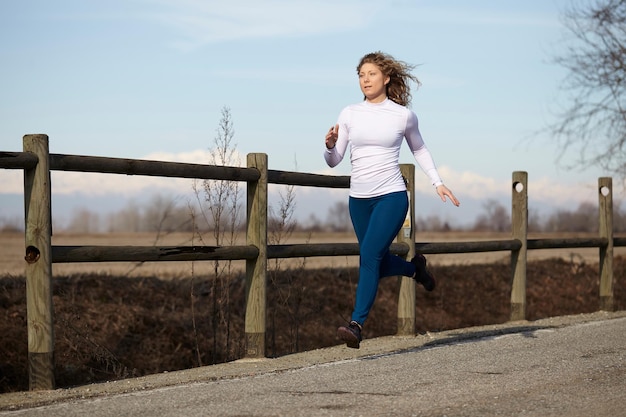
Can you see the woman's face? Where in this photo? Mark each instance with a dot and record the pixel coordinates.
(373, 83)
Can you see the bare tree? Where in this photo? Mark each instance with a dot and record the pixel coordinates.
(431, 223)
(534, 222)
(619, 220)
(338, 218)
(584, 219)
(219, 205)
(496, 218)
(313, 224)
(594, 120)
(127, 219)
(221, 198)
(84, 221)
(163, 215)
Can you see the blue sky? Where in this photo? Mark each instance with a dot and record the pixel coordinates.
(148, 79)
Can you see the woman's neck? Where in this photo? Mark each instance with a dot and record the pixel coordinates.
(377, 100)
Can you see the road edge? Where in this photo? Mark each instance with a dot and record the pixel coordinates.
(245, 368)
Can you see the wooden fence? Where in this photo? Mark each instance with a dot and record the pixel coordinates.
(37, 162)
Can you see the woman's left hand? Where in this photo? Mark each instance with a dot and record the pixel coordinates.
(443, 191)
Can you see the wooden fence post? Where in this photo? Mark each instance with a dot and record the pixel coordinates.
(406, 296)
(38, 222)
(256, 269)
(605, 194)
(519, 229)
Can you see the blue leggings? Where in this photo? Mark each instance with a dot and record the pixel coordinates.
(377, 222)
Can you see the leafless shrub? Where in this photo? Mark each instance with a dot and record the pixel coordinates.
(219, 206)
(496, 218)
(593, 122)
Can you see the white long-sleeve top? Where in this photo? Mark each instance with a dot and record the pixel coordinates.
(375, 132)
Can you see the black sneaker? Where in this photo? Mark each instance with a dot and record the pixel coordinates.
(422, 274)
(350, 334)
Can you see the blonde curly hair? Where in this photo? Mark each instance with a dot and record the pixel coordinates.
(399, 73)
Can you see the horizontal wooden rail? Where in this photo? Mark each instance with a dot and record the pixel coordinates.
(74, 254)
(596, 242)
(462, 247)
(71, 254)
(309, 180)
(325, 249)
(97, 164)
(18, 160)
(79, 163)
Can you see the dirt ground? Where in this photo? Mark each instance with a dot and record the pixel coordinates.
(114, 324)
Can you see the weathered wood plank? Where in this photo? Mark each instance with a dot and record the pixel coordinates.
(80, 163)
(519, 231)
(256, 269)
(605, 196)
(306, 179)
(18, 160)
(70, 254)
(38, 221)
(406, 236)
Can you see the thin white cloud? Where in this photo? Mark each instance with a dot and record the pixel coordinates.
(198, 156)
(469, 14)
(94, 184)
(71, 182)
(468, 184)
(318, 76)
(11, 181)
(546, 190)
(441, 81)
(198, 22)
(540, 191)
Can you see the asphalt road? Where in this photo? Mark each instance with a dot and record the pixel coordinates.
(567, 366)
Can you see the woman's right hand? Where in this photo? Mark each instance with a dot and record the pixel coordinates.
(331, 136)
